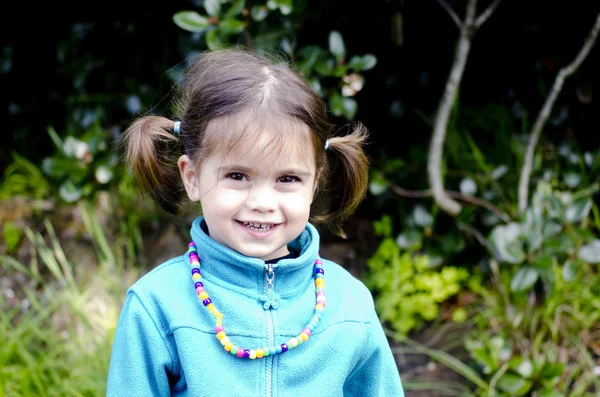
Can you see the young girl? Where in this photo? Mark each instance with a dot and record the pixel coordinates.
(251, 309)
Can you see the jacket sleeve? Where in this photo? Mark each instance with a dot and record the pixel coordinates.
(140, 360)
(376, 373)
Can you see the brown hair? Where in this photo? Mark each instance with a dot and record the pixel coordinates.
(234, 88)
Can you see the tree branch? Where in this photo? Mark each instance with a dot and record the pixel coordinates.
(451, 12)
(440, 127)
(486, 14)
(469, 199)
(544, 113)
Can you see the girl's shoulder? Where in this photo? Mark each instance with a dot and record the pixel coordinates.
(347, 292)
(164, 277)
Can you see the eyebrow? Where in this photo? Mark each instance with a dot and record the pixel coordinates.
(248, 170)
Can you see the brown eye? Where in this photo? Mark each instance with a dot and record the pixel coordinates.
(289, 179)
(236, 176)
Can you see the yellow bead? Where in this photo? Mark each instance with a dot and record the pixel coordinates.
(252, 354)
(228, 346)
(320, 283)
(304, 336)
(225, 340)
(196, 276)
(203, 295)
(260, 353)
(319, 307)
(221, 335)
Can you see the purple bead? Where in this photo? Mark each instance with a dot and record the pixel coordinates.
(246, 353)
(198, 284)
(284, 348)
(207, 301)
(319, 270)
(195, 270)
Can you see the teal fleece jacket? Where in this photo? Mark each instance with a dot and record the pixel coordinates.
(165, 343)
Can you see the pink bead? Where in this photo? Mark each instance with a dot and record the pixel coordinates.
(191, 244)
(307, 331)
(219, 328)
(240, 353)
(318, 262)
(199, 289)
(320, 293)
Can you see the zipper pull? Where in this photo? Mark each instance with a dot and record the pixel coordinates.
(270, 276)
(270, 298)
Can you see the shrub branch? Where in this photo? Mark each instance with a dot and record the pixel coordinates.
(467, 28)
(544, 113)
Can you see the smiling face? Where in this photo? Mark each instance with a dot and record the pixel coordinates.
(256, 196)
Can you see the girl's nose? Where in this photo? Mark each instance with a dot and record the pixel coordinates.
(262, 198)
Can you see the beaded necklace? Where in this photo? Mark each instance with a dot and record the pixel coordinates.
(264, 351)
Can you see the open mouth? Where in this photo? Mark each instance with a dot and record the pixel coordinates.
(259, 227)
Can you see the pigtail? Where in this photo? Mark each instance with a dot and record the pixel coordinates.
(348, 176)
(151, 151)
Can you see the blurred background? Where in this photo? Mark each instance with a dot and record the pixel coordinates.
(491, 295)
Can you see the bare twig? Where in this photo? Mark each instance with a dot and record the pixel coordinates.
(436, 147)
(544, 113)
(486, 14)
(459, 196)
(451, 12)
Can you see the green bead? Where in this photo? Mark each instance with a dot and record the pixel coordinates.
(267, 353)
(234, 350)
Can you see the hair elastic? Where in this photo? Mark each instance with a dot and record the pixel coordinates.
(326, 144)
(177, 127)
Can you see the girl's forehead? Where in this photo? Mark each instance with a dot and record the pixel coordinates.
(248, 139)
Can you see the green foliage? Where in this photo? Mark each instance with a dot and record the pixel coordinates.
(23, 178)
(408, 290)
(271, 27)
(554, 230)
(82, 165)
(12, 237)
(57, 340)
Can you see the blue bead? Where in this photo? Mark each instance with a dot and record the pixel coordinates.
(246, 353)
(198, 284)
(195, 270)
(207, 301)
(284, 347)
(272, 351)
(319, 270)
(278, 349)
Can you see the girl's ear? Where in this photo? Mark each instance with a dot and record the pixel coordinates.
(190, 177)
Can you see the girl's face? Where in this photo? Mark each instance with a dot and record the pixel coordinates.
(256, 204)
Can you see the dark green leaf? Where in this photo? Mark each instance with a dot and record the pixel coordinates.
(213, 39)
(524, 279)
(191, 21)
(308, 57)
(514, 384)
(362, 63)
(69, 192)
(258, 13)
(235, 9)
(336, 45)
(231, 26)
(336, 104)
(578, 210)
(590, 253)
(212, 7)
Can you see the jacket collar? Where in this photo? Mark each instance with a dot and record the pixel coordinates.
(227, 268)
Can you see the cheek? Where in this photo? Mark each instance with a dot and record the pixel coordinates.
(223, 200)
(298, 204)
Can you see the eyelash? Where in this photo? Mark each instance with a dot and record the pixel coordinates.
(238, 176)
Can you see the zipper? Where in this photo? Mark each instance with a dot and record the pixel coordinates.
(269, 285)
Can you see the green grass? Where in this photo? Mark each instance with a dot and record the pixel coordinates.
(59, 344)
